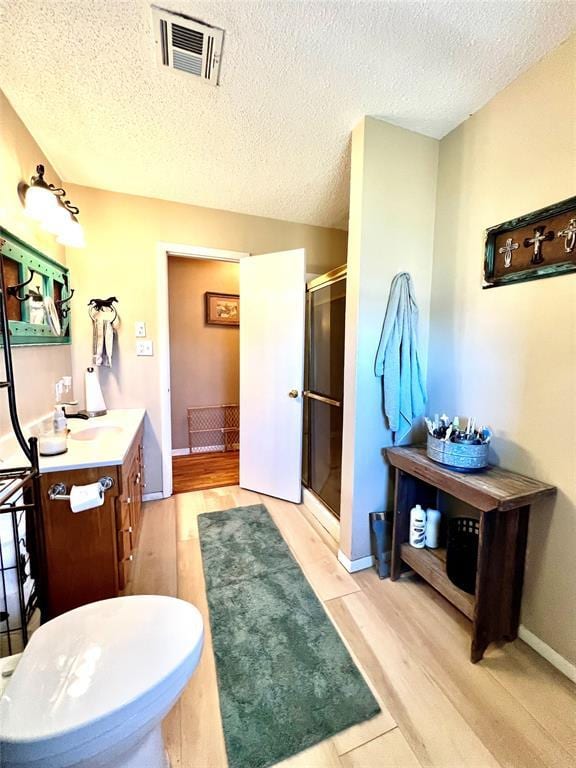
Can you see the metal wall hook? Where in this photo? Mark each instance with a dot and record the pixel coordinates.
(59, 304)
(13, 290)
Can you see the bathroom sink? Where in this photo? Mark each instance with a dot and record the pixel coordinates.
(93, 433)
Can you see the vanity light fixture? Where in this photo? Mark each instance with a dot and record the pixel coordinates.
(47, 204)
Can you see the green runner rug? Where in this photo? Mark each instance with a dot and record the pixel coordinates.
(285, 679)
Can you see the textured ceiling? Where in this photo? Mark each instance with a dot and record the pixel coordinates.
(273, 139)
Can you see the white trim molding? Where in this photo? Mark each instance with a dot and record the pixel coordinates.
(548, 653)
(322, 514)
(157, 496)
(199, 252)
(180, 451)
(352, 566)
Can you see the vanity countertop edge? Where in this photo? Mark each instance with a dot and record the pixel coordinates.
(108, 449)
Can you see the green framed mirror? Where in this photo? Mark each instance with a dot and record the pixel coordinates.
(32, 319)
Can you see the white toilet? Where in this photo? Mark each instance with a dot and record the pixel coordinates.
(93, 685)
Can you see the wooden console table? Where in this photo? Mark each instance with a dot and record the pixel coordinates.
(503, 501)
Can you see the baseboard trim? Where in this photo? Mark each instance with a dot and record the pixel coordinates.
(180, 451)
(322, 514)
(548, 653)
(152, 496)
(352, 566)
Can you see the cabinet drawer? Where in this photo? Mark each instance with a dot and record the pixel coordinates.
(125, 543)
(123, 516)
(124, 572)
(131, 464)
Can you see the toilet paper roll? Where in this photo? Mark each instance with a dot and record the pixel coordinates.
(83, 497)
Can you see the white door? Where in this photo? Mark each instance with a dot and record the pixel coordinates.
(272, 290)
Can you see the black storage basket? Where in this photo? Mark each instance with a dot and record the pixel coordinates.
(462, 552)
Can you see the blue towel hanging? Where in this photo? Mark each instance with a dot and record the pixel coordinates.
(403, 387)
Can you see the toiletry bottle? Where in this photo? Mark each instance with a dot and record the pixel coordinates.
(60, 423)
(433, 517)
(417, 527)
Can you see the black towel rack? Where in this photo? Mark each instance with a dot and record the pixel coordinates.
(96, 305)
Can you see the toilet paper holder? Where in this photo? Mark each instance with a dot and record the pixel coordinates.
(59, 491)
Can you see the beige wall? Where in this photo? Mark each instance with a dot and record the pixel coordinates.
(36, 368)
(204, 359)
(508, 355)
(392, 201)
(122, 233)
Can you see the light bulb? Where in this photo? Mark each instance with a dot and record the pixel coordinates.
(72, 235)
(39, 202)
(56, 220)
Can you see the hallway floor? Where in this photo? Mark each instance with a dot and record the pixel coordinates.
(512, 710)
(202, 471)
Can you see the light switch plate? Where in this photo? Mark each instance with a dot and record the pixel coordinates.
(140, 328)
(144, 349)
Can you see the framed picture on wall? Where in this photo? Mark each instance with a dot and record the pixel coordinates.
(222, 309)
(539, 244)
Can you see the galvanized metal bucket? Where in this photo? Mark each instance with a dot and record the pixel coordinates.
(460, 456)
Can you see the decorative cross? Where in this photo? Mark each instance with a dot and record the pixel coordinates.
(569, 235)
(507, 251)
(539, 238)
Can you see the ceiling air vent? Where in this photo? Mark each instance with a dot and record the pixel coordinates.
(187, 44)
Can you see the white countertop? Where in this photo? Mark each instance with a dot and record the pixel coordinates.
(104, 448)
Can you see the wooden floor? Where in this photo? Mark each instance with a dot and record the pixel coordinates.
(438, 710)
(202, 471)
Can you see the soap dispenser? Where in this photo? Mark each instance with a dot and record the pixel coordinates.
(65, 395)
(59, 419)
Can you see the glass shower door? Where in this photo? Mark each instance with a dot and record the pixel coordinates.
(326, 304)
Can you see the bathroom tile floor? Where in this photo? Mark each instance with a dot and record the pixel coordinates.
(511, 710)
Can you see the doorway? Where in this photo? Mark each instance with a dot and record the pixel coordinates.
(271, 367)
(204, 306)
(181, 323)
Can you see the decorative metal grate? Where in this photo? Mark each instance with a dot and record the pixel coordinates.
(214, 428)
(19, 613)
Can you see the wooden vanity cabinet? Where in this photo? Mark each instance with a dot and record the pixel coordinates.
(128, 512)
(89, 554)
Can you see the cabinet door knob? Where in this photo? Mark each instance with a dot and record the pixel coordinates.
(128, 500)
(130, 557)
(129, 529)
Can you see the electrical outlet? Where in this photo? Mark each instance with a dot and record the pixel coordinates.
(144, 349)
(140, 327)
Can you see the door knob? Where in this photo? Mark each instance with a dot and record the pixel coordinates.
(293, 393)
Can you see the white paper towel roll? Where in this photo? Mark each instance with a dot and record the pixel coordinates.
(83, 497)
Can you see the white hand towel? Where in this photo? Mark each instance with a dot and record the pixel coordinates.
(102, 339)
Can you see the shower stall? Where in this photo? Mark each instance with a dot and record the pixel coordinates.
(324, 387)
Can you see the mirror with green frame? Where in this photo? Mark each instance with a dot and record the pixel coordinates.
(39, 310)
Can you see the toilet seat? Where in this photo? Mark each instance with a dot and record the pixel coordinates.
(97, 674)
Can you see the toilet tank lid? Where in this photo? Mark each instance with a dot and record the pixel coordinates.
(94, 660)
